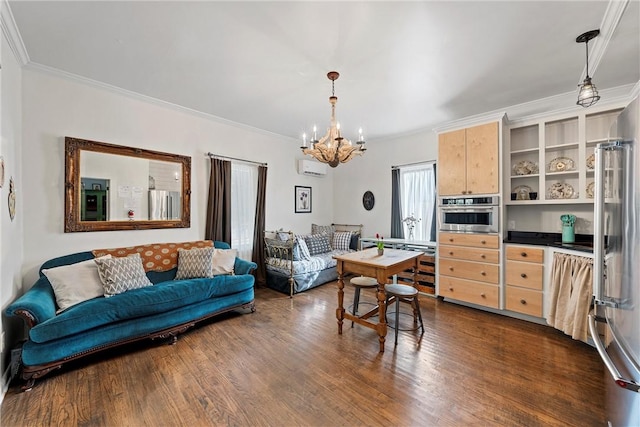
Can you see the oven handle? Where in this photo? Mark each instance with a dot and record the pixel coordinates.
(467, 209)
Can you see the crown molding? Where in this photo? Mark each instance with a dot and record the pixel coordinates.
(610, 21)
(564, 104)
(478, 119)
(33, 66)
(12, 34)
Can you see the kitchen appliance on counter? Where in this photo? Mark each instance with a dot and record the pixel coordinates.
(469, 214)
(617, 268)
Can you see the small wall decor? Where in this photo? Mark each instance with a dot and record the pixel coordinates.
(12, 199)
(1, 171)
(302, 199)
(368, 200)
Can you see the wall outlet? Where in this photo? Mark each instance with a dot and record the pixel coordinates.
(511, 225)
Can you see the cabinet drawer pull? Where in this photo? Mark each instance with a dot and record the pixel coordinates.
(450, 252)
(523, 254)
(450, 288)
(451, 239)
(524, 276)
(464, 192)
(450, 268)
(523, 302)
(483, 295)
(483, 256)
(484, 242)
(483, 273)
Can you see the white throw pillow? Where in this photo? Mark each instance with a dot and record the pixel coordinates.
(194, 263)
(223, 261)
(121, 274)
(75, 283)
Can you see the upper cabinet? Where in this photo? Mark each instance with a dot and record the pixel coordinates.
(552, 161)
(468, 161)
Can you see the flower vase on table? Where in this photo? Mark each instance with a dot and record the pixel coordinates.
(380, 244)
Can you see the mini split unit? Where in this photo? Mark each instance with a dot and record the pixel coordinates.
(309, 167)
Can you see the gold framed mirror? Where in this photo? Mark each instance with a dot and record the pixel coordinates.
(112, 187)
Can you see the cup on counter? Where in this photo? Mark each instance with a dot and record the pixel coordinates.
(533, 195)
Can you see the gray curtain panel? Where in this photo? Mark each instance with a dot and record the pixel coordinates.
(397, 231)
(258, 229)
(218, 225)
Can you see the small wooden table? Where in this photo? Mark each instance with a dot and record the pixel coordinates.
(369, 263)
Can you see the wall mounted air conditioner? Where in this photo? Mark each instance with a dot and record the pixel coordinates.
(312, 168)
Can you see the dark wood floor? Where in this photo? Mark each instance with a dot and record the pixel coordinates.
(286, 365)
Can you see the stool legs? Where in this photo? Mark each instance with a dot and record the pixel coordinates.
(417, 314)
(356, 301)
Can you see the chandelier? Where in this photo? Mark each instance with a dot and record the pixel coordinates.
(332, 148)
(588, 94)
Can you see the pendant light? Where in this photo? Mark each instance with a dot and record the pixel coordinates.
(588, 93)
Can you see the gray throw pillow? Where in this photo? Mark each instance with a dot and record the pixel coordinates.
(121, 274)
(318, 244)
(194, 263)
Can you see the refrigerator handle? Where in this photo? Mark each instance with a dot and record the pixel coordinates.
(599, 264)
(598, 227)
(622, 382)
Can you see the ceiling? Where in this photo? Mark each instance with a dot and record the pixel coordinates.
(404, 66)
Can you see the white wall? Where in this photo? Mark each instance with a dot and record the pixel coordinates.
(55, 107)
(372, 172)
(11, 232)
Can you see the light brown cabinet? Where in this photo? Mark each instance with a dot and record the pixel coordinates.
(468, 161)
(524, 279)
(469, 268)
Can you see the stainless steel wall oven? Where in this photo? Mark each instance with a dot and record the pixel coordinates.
(469, 214)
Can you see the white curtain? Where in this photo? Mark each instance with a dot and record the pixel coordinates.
(244, 192)
(418, 197)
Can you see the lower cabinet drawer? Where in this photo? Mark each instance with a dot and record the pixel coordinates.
(524, 301)
(489, 273)
(468, 291)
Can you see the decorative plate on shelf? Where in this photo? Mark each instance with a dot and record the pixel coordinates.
(522, 192)
(591, 161)
(591, 189)
(525, 167)
(561, 190)
(561, 164)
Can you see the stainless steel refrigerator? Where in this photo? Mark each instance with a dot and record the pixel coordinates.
(164, 204)
(617, 267)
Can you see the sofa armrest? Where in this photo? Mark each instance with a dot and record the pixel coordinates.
(242, 266)
(36, 305)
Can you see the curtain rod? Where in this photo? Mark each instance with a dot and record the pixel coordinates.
(218, 156)
(426, 162)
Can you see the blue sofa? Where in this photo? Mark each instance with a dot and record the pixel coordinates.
(161, 311)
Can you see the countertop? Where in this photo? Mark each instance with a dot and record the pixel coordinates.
(583, 242)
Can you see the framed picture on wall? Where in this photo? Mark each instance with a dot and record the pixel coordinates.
(302, 199)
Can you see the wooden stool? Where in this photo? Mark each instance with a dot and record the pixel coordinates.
(359, 283)
(404, 293)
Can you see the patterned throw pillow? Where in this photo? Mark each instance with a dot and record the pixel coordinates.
(318, 244)
(322, 229)
(121, 274)
(305, 255)
(194, 263)
(341, 240)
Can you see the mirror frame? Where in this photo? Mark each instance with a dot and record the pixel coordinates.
(72, 222)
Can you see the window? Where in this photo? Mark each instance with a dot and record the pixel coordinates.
(418, 198)
(244, 193)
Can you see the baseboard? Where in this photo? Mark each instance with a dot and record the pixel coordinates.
(6, 380)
